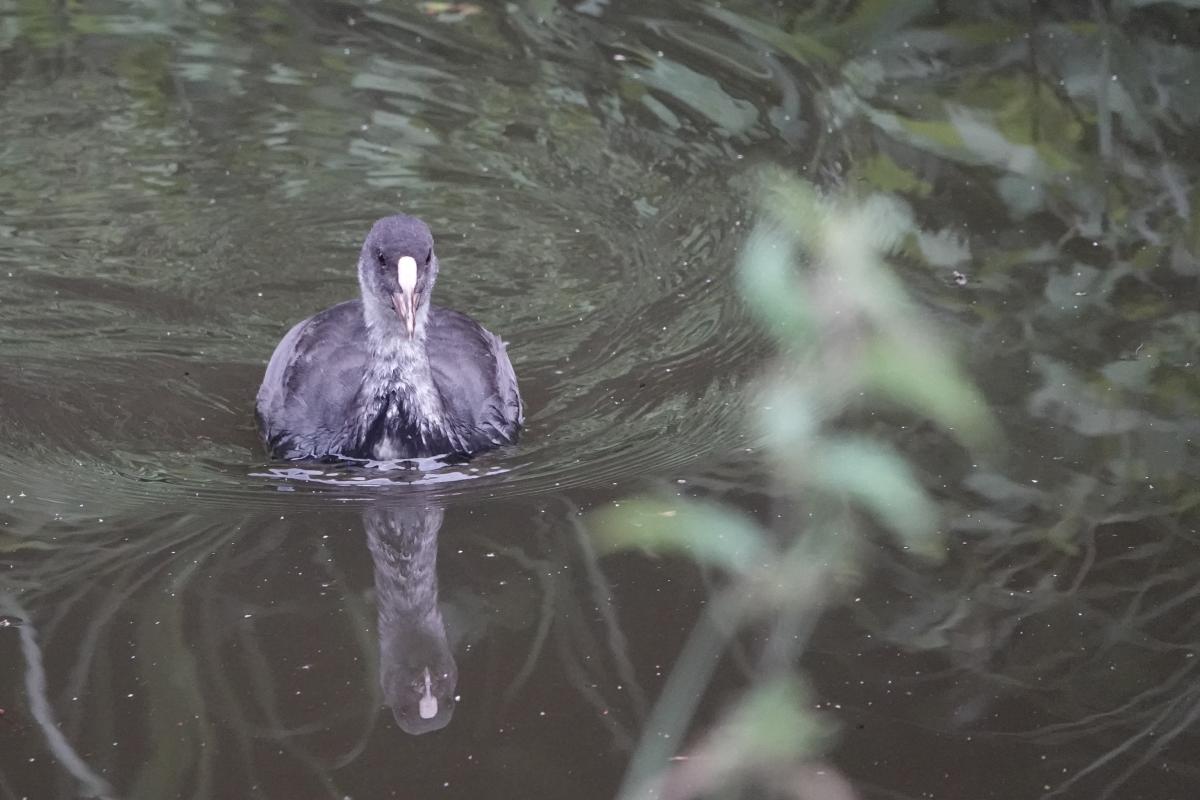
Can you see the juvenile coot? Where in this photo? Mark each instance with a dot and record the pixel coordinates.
(390, 375)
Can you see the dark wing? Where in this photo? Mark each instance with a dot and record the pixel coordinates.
(311, 383)
(475, 380)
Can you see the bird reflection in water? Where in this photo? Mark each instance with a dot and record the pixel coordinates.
(416, 667)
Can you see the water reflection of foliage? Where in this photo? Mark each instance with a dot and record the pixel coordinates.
(573, 590)
(1089, 622)
(1076, 127)
(240, 648)
(145, 620)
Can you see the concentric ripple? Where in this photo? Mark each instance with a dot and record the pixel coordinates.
(156, 247)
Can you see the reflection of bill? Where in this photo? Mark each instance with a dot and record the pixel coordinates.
(416, 668)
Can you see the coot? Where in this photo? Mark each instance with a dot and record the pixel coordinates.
(389, 376)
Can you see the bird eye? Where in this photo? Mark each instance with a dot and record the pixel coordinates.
(429, 256)
(381, 257)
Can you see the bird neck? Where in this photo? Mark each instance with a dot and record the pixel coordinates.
(399, 364)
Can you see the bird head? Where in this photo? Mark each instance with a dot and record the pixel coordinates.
(396, 272)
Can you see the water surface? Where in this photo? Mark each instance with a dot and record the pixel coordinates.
(180, 182)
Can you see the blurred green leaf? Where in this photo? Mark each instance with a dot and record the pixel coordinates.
(709, 533)
(774, 721)
(800, 46)
(770, 730)
(1027, 113)
(795, 207)
(767, 281)
(942, 133)
(973, 34)
(884, 174)
(917, 376)
(867, 229)
(878, 478)
(787, 416)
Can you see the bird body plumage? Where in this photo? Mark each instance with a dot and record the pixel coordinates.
(349, 382)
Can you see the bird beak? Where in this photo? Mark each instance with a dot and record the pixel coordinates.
(406, 310)
(405, 299)
(428, 706)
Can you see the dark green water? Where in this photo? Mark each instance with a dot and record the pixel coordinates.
(180, 182)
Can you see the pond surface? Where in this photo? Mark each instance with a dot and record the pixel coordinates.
(180, 182)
